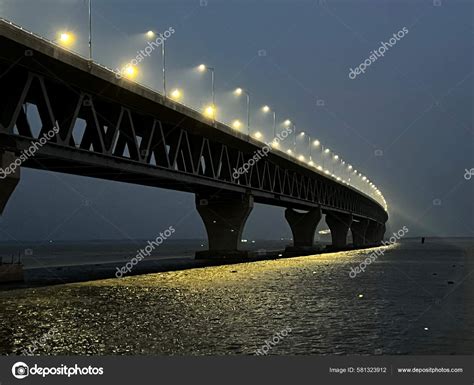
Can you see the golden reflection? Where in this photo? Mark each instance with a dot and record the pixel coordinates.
(236, 274)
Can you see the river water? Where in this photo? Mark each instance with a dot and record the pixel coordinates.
(413, 299)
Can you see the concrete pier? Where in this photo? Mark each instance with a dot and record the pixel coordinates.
(375, 233)
(303, 227)
(359, 230)
(339, 225)
(224, 217)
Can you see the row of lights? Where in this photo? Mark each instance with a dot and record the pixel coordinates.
(210, 111)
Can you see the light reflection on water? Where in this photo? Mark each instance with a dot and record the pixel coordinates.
(233, 309)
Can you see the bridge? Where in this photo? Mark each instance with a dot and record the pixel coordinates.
(115, 129)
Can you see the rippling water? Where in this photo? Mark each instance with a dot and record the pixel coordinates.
(415, 299)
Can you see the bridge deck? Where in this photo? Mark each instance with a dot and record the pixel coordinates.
(133, 134)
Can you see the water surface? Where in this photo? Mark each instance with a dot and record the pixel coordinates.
(414, 299)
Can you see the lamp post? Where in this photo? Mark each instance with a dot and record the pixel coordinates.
(90, 30)
(315, 143)
(151, 34)
(294, 139)
(324, 151)
(309, 143)
(203, 68)
(336, 158)
(239, 91)
(267, 109)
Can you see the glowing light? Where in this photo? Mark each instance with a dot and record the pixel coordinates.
(238, 91)
(336, 157)
(258, 135)
(265, 108)
(236, 124)
(364, 178)
(287, 122)
(66, 38)
(326, 151)
(302, 133)
(210, 112)
(275, 144)
(327, 172)
(349, 167)
(301, 157)
(289, 151)
(150, 34)
(311, 163)
(130, 71)
(176, 94)
(320, 168)
(316, 143)
(202, 67)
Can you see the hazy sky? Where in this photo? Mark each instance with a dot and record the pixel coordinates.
(406, 123)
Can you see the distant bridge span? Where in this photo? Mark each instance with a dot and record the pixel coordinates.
(133, 134)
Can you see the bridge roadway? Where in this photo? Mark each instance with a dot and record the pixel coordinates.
(133, 134)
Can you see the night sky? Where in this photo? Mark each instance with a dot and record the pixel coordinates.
(406, 123)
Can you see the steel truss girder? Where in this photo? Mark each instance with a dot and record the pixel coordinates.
(117, 131)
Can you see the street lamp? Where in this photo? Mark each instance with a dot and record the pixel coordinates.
(150, 34)
(294, 138)
(309, 144)
(236, 124)
(239, 91)
(90, 30)
(202, 68)
(176, 94)
(130, 71)
(336, 158)
(315, 143)
(258, 135)
(268, 109)
(210, 112)
(66, 38)
(324, 152)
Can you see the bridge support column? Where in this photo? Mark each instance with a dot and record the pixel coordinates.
(375, 233)
(339, 225)
(381, 232)
(303, 226)
(8, 180)
(359, 230)
(224, 217)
